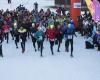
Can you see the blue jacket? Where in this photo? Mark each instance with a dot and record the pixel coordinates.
(33, 30)
(70, 30)
(90, 40)
(39, 35)
(64, 28)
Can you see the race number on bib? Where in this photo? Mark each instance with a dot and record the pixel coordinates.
(70, 36)
(20, 40)
(40, 38)
(51, 39)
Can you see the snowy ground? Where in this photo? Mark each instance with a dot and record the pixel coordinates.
(27, 3)
(30, 66)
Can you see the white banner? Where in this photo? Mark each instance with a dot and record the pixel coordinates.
(77, 5)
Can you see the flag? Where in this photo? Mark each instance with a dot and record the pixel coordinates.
(94, 8)
(90, 6)
(96, 16)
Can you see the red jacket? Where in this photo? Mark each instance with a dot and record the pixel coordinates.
(5, 28)
(51, 33)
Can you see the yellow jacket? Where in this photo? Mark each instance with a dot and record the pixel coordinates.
(22, 30)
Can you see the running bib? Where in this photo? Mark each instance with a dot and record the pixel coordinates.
(70, 37)
(20, 40)
(40, 38)
(51, 39)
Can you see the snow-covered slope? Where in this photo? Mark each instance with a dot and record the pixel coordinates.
(29, 4)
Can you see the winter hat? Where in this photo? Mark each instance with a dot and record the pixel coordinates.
(71, 21)
(33, 24)
(51, 26)
(15, 24)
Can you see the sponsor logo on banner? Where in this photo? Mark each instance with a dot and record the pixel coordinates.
(77, 5)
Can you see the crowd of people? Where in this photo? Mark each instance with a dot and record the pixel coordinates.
(45, 25)
(91, 30)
